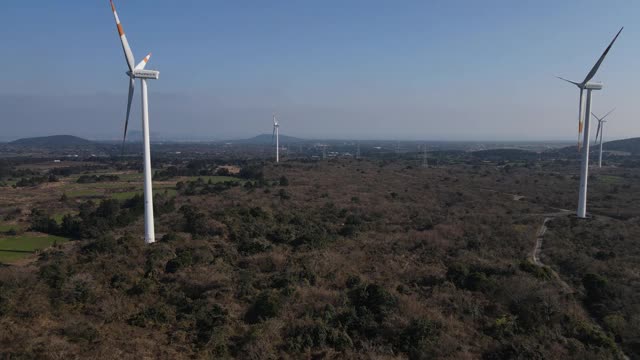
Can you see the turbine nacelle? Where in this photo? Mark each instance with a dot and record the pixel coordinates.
(593, 86)
(588, 86)
(144, 74)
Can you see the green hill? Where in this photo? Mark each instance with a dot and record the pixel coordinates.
(631, 145)
(52, 141)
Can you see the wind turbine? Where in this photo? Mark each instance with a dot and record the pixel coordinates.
(276, 134)
(601, 122)
(589, 86)
(138, 72)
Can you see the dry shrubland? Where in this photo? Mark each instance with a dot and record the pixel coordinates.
(344, 259)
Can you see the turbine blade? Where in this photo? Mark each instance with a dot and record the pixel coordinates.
(607, 114)
(598, 131)
(128, 55)
(143, 63)
(580, 117)
(126, 122)
(569, 81)
(273, 134)
(593, 71)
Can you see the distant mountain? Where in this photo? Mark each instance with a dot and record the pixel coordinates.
(52, 141)
(631, 145)
(268, 139)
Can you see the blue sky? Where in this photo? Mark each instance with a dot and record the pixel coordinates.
(459, 70)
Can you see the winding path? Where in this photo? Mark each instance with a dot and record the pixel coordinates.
(535, 257)
(537, 249)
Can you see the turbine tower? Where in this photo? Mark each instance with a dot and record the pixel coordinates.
(276, 133)
(601, 122)
(138, 72)
(589, 86)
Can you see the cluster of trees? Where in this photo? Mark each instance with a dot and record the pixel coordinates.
(201, 187)
(36, 180)
(29, 177)
(95, 219)
(9, 169)
(196, 167)
(77, 169)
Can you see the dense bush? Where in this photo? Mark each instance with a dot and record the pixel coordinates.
(36, 180)
(92, 221)
(183, 259)
(267, 305)
(419, 340)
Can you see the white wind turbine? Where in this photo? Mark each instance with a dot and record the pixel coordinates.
(601, 122)
(276, 134)
(589, 86)
(138, 72)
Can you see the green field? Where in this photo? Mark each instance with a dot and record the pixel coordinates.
(13, 248)
(58, 217)
(7, 227)
(610, 179)
(9, 182)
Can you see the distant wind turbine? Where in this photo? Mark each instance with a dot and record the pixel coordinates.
(589, 86)
(139, 72)
(276, 134)
(601, 122)
(425, 162)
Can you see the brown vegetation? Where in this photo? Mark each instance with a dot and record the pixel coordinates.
(337, 259)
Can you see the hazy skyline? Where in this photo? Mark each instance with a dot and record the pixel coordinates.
(458, 70)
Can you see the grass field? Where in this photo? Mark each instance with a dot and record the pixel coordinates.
(58, 217)
(611, 179)
(11, 182)
(8, 227)
(14, 248)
